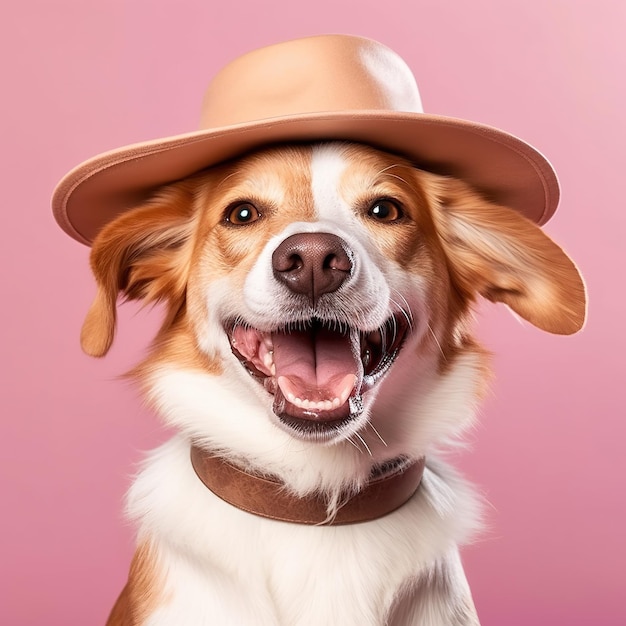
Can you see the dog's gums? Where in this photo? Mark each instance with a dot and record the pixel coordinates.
(318, 371)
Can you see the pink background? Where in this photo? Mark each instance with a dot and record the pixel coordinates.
(80, 77)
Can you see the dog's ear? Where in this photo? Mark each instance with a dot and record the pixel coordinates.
(503, 256)
(143, 255)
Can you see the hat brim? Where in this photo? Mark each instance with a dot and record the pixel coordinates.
(504, 168)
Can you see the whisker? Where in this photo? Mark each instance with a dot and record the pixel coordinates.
(406, 311)
(352, 443)
(383, 337)
(377, 434)
(432, 332)
(385, 170)
(394, 330)
(226, 178)
(407, 306)
(363, 442)
(398, 177)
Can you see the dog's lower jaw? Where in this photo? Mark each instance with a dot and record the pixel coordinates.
(320, 428)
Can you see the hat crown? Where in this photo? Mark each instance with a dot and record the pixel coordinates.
(323, 88)
(327, 73)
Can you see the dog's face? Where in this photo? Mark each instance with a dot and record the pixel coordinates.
(314, 275)
(323, 285)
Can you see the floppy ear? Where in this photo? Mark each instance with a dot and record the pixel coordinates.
(143, 254)
(496, 252)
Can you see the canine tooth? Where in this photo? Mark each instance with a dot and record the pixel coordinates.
(336, 403)
(273, 369)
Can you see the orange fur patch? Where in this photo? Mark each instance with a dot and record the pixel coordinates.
(497, 253)
(142, 594)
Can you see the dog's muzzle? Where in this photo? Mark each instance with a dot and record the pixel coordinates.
(317, 367)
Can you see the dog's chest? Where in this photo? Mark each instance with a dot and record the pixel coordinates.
(278, 575)
(222, 565)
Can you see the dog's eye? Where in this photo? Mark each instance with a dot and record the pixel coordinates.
(385, 211)
(241, 214)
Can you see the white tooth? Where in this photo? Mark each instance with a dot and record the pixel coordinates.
(273, 369)
(298, 402)
(328, 405)
(306, 404)
(336, 403)
(291, 398)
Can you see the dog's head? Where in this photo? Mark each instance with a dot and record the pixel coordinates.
(321, 286)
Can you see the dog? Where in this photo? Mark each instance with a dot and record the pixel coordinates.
(316, 355)
(317, 329)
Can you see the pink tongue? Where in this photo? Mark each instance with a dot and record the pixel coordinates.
(315, 362)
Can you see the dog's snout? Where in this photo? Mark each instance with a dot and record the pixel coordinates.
(312, 264)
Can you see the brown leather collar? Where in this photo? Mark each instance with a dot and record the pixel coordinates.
(268, 498)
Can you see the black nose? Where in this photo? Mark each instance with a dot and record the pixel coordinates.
(312, 264)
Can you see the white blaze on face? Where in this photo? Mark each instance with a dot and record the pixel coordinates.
(368, 287)
(327, 168)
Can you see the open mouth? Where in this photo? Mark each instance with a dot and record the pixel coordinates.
(318, 370)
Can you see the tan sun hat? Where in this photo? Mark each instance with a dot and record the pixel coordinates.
(318, 88)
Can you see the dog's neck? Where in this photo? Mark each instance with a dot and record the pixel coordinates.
(389, 487)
